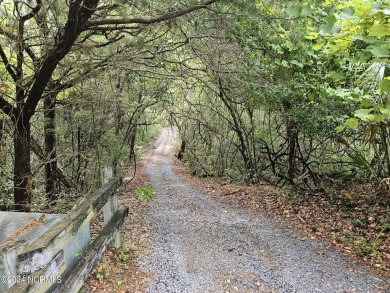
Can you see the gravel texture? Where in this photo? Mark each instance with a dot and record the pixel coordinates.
(200, 245)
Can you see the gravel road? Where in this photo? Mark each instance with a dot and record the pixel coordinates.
(200, 245)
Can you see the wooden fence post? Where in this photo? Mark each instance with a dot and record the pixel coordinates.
(111, 206)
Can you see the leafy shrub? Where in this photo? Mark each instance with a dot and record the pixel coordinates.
(146, 193)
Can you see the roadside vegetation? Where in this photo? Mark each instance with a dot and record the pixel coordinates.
(293, 95)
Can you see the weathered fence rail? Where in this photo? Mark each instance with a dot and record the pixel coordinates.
(61, 258)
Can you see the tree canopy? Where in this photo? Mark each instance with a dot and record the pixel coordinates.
(295, 94)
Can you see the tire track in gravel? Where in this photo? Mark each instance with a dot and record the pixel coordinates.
(200, 245)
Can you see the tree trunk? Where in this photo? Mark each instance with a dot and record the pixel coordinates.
(118, 119)
(78, 170)
(182, 150)
(51, 183)
(2, 143)
(22, 166)
(62, 177)
(292, 137)
(1, 133)
(132, 139)
(238, 128)
(2, 155)
(385, 148)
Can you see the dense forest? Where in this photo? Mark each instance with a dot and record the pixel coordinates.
(294, 94)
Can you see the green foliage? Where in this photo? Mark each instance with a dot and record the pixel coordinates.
(352, 123)
(321, 71)
(146, 193)
(294, 93)
(102, 272)
(294, 10)
(123, 256)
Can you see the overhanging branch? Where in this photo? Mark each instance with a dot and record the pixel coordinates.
(146, 21)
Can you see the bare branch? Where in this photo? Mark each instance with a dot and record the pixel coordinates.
(33, 12)
(151, 20)
(6, 107)
(7, 64)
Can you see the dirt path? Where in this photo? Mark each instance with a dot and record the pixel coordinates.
(200, 245)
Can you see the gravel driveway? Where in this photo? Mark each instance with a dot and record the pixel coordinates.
(200, 245)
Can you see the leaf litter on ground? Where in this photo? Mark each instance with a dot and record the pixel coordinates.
(118, 270)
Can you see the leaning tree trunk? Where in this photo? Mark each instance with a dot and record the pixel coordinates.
(180, 154)
(62, 177)
(22, 166)
(239, 130)
(51, 178)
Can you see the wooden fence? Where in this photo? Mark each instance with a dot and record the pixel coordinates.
(61, 259)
